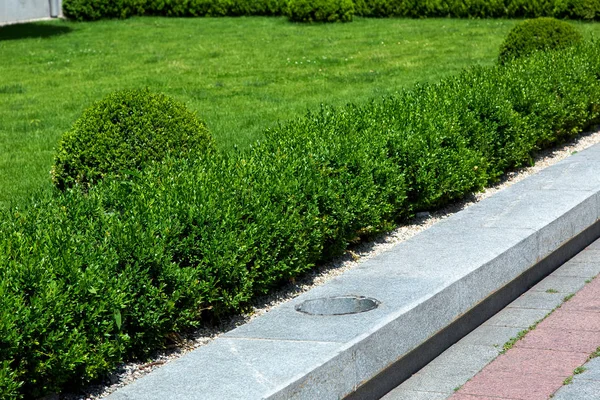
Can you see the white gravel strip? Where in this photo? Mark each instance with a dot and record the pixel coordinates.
(128, 372)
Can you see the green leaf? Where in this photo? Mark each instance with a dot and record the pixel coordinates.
(117, 316)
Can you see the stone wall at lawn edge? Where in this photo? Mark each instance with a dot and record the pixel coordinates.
(14, 11)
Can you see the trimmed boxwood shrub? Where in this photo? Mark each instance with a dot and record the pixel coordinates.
(87, 10)
(90, 279)
(90, 10)
(574, 9)
(125, 131)
(320, 10)
(537, 34)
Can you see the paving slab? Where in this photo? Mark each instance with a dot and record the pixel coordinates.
(592, 371)
(587, 300)
(477, 397)
(461, 357)
(560, 340)
(538, 300)
(253, 365)
(560, 284)
(584, 269)
(517, 317)
(521, 387)
(494, 336)
(585, 386)
(583, 390)
(576, 320)
(528, 361)
(450, 370)
(445, 383)
(415, 395)
(589, 255)
(474, 260)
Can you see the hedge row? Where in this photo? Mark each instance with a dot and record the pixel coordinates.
(89, 10)
(91, 279)
(331, 10)
(574, 9)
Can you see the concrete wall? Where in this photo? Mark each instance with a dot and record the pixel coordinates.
(25, 10)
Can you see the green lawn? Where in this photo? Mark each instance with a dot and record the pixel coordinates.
(241, 75)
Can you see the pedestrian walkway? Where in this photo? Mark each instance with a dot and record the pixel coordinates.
(537, 347)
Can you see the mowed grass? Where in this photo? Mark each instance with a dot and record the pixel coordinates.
(241, 75)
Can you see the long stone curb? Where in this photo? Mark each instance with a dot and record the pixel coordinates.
(571, 286)
(431, 290)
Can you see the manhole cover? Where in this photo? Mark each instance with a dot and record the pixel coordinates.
(337, 305)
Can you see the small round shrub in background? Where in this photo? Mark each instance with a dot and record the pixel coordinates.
(537, 34)
(320, 10)
(124, 131)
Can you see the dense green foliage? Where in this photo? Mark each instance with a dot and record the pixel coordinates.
(89, 10)
(320, 10)
(125, 131)
(575, 9)
(242, 75)
(537, 34)
(90, 279)
(300, 9)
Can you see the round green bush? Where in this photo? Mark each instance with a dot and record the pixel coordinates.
(125, 131)
(320, 10)
(537, 34)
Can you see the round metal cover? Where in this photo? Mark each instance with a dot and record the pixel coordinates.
(340, 305)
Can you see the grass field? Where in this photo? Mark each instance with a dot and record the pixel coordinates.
(241, 75)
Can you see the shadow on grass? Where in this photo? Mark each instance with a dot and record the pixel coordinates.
(31, 30)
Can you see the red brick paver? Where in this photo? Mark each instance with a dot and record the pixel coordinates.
(538, 364)
(462, 396)
(587, 299)
(560, 340)
(511, 385)
(572, 320)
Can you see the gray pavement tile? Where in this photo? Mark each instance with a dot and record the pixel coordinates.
(561, 284)
(403, 394)
(494, 336)
(436, 383)
(451, 369)
(517, 317)
(461, 357)
(539, 300)
(580, 390)
(588, 255)
(585, 269)
(594, 246)
(592, 371)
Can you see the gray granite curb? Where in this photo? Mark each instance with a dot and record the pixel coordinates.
(466, 358)
(432, 290)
